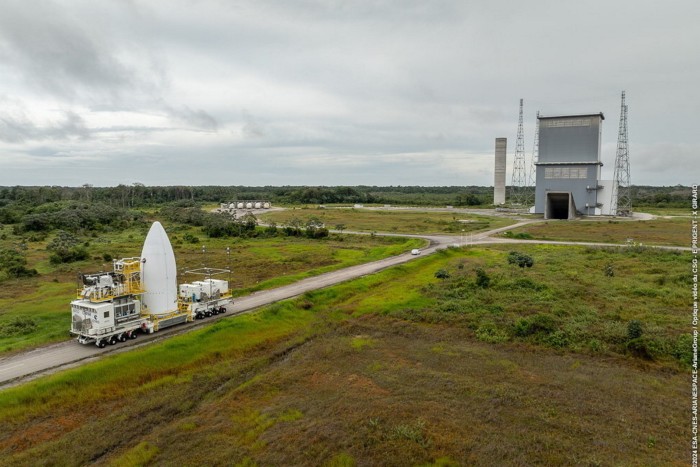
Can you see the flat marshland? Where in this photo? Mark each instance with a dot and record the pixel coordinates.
(459, 358)
(406, 221)
(660, 231)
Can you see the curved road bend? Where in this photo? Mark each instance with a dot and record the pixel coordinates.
(31, 364)
(28, 365)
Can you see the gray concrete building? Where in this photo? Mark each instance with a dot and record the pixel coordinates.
(499, 181)
(568, 167)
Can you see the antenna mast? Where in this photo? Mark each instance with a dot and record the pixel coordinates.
(519, 189)
(622, 191)
(532, 180)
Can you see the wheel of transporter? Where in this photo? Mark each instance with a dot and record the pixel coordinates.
(133, 334)
(113, 340)
(222, 310)
(123, 337)
(101, 343)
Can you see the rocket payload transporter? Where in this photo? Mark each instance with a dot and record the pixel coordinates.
(140, 295)
(158, 272)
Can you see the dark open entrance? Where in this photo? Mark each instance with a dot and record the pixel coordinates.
(558, 205)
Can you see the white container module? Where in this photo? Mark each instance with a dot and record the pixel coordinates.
(191, 292)
(213, 287)
(220, 285)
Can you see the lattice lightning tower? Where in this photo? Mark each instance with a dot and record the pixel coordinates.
(519, 189)
(532, 176)
(622, 193)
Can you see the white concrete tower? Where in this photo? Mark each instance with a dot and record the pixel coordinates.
(499, 181)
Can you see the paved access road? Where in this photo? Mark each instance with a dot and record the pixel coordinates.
(34, 363)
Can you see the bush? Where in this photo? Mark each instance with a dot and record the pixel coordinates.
(14, 263)
(520, 259)
(69, 256)
(482, 279)
(442, 274)
(634, 329)
(189, 238)
(17, 326)
(541, 323)
(645, 347)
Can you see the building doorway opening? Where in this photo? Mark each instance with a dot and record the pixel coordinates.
(558, 206)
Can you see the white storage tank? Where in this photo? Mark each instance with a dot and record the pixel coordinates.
(258, 205)
(249, 205)
(266, 205)
(240, 205)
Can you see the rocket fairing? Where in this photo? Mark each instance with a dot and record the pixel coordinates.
(158, 272)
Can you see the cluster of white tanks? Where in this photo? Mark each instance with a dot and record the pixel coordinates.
(246, 205)
(141, 295)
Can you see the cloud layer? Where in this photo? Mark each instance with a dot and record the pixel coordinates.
(323, 92)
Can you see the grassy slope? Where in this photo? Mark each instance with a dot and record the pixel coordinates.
(367, 372)
(409, 222)
(673, 231)
(257, 264)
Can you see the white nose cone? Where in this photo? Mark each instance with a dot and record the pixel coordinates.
(158, 272)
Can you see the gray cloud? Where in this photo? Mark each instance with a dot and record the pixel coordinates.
(19, 128)
(336, 92)
(196, 119)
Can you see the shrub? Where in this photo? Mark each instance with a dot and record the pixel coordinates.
(17, 326)
(645, 347)
(482, 279)
(69, 256)
(609, 271)
(442, 274)
(189, 238)
(634, 329)
(520, 259)
(683, 349)
(489, 332)
(540, 323)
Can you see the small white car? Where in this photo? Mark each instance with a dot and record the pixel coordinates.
(415, 251)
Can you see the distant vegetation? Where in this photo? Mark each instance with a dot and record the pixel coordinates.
(18, 201)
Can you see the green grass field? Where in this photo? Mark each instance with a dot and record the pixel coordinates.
(36, 311)
(396, 368)
(674, 232)
(399, 221)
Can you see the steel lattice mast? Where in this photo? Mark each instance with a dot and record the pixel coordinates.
(622, 192)
(519, 182)
(532, 176)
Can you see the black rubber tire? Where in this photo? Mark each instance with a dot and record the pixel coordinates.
(222, 310)
(113, 340)
(101, 344)
(134, 334)
(123, 337)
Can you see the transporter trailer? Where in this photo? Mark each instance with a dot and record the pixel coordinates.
(109, 307)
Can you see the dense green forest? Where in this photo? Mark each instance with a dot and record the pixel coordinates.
(18, 201)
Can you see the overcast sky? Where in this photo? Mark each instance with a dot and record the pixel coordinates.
(266, 92)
